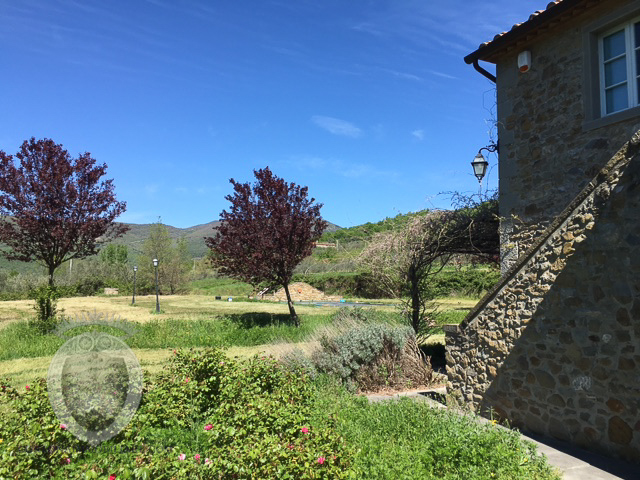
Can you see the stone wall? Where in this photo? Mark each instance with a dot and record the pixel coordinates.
(302, 292)
(548, 150)
(555, 347)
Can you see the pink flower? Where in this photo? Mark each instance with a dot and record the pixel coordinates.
(27, 387)
(320, 460)
(290, 447)
(197, 457)
(207, 461)
(208, 427)
(304, 430)
(68, 460)
(182, 457)
(112, 477)
(186, 380)
(63, 426)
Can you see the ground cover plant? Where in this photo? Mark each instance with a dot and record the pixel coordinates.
(208, 416)
(408, 439)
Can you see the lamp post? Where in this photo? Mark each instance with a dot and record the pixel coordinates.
(133, 300)
(155, 265)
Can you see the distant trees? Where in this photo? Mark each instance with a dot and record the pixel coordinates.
(269, 229)
(404, 260)
(114, 254)
(53, 207)
(173, 260)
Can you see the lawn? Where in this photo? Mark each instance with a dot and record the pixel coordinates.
(221, 399)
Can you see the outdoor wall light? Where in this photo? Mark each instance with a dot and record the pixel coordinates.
(479, 165)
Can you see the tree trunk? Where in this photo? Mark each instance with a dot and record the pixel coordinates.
(292, 310)
(52, 270)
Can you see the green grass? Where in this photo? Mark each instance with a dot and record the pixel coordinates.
(404, 439)
(408, 439)
(444, 317)
(17, 340)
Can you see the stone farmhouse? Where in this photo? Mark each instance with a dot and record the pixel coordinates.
(555, 346)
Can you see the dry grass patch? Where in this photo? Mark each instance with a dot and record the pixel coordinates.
(24, 371)
(171, 306)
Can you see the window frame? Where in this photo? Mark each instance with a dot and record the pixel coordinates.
(593, 84)
(632, 69)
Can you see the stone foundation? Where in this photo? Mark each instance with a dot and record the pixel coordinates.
(555, 347)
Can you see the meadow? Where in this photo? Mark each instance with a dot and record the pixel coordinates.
(220, 401)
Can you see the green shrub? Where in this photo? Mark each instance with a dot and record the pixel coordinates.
(34, 443)
(464, 281)
(299, 363)
(205, 417)
(46, 319)
(350, 284)
(468, 281)
(372, 356)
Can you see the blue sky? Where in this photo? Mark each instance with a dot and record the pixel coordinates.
(367, 102)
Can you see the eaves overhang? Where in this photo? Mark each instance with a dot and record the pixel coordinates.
(537, 24)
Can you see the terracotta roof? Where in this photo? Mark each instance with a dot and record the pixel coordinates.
(521, 30)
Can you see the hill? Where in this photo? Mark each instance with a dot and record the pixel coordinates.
(135, 237)
(367, 230)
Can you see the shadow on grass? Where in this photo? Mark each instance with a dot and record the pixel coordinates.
(260, 319)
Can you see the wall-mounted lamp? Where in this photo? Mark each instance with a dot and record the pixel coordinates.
(479, 163)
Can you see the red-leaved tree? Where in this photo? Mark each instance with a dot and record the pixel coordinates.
(54, 208)
(269, 229)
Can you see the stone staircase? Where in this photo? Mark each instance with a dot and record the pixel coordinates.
(555, 346)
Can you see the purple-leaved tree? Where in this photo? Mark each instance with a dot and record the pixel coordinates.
(54, 208)
(269, 229)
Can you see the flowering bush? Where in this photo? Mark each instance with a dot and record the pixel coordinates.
(230, 420)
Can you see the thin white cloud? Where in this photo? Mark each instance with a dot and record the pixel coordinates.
(403, 75)
(440, 25)
(151, 189)
(443, 75)
(337, 126)
(419, 134)
(341, 168)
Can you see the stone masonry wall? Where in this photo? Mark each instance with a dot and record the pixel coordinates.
(555, 347)
(547, 152)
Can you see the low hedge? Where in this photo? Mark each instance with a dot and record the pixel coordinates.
(464, 281)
